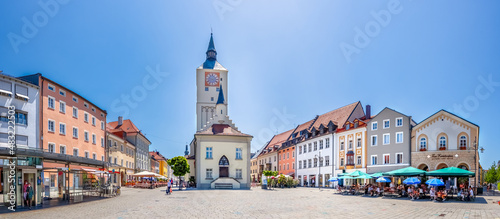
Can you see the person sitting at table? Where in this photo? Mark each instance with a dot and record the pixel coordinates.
(444, 195)
(471, 194)
(460, 195)
(410, 192)
(416, 193)
(439, 197)
(378, 191)
(370, 190)
(432, 193)
(421, 192)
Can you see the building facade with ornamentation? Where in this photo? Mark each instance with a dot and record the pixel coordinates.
(121, 154)
(352, 141)
(445, 140)
(221, 152)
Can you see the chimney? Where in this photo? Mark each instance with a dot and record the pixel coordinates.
(368, 112)
(120, 120)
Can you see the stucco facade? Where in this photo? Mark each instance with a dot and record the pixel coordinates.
(389, 136)
(121, 156)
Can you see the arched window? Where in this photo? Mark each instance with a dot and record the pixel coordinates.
(442, 143)
(463, 142)
(423, 144)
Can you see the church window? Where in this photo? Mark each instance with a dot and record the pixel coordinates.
(206, 88)
(209, 153)
(209, 173)
(239, 174)
(238, 154)
(211, 98)
(217, 89)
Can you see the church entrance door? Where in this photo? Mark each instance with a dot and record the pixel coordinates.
(223, 167)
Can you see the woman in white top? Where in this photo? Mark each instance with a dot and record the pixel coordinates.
(432, 193)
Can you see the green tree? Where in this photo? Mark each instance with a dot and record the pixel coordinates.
(180, 167)
(492, 174)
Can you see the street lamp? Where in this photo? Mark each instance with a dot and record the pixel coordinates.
(319, 169)
(475, 148)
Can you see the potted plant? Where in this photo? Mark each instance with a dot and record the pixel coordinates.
(423, 149)
(442, 148)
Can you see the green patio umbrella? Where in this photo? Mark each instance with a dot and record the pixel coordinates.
(376, 175)
(363, 177)
(356, 174)
(451, 171)
(346, 177)
(408, 171)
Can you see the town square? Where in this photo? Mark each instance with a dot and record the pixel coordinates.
(249, 109)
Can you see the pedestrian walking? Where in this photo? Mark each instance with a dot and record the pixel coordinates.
(169, 184)
(25, 186)
(29, 195)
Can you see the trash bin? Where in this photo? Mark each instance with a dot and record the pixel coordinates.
(480, 190)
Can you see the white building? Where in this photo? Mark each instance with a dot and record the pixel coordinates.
(24, 97)
(221, 151)
(316, 145)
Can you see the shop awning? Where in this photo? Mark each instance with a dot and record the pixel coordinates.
(452, 171)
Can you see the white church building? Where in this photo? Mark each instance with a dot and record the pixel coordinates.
(221, 152)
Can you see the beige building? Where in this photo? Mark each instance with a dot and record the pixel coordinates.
(445, 140)
(121, 154)
(221, 152)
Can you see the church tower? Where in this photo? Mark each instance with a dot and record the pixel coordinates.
(211, 79)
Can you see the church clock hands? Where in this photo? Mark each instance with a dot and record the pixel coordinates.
(212, 79)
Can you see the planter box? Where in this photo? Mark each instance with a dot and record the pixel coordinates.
(442, 149)
(423, 149)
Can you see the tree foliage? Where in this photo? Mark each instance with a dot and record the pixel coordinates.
(179, 165)
(270, 173)
(493, 174)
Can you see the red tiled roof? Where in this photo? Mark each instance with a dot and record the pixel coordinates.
(303, 126)
(279, 139)
(338, 116)
(222, 129)
(127, 126)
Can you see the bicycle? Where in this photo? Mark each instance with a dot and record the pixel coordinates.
(116, 191)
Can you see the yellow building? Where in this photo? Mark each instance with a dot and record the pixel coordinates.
(121, 156)
(163, 163)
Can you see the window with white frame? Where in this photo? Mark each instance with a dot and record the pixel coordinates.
(94, 140)
(75, 99)
(86, 105)
(75, 112)
(209, 153)
(359, 142)
(52, 102)
(387, 138)
(239, 174)
(85, 117)
(300, 149)
(399, 158)
(102, 142)
(62, 128)
(305, 149)
(209, 173)
(305, 164)
(86, 154)
(102, 125)
(86, 135)
(327, 160)
(315, 145)
(309, 163)
(93, 120)
(238, 154)
(94, 156)
(374, 140)
(310, 147)
(463, 141)
(300, 164)
(342, 161)
(399, 137)
(359, 160)
(62, 107)
(93, 109)
(62, 149)
(374, 125)
(387, 158)
(52, 87)
(342, 146)
(374, 159)
(399, 122)
(423, 143)
(102, 158)
(62, 93)
(51, 126)
(315, 162)
(52, 148)
(75, 132)
(350, 144)
(327, 143)
(387, 124)
(320, 144)
(75, 151)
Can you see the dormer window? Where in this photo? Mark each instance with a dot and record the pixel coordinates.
(347, 127)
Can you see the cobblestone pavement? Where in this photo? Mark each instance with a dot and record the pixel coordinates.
(258, 203)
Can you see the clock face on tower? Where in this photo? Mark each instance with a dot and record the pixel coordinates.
(212, 79)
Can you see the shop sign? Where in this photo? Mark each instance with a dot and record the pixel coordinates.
(442, 157)
(39, 166)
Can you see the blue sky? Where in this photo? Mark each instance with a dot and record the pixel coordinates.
(285, 59)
